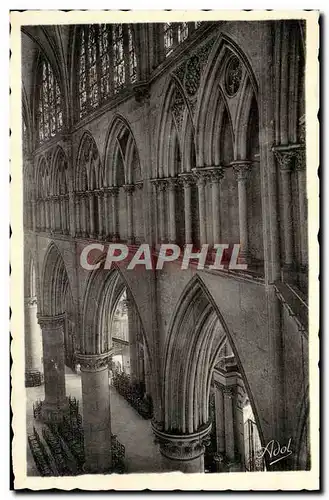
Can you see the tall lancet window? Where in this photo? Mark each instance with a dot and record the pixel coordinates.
(174, 34)
(107, 63)
(168, 32)
(50, 113)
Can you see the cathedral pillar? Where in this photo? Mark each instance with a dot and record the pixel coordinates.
(53, 366)
(216, 174)
(96, 412)
(187, 180)
(285, 159)
(302, 202)
(33, 339)
(241, 169)
(220, 422)
(132, 341)
(114, 192)
(229, 423)
(161, 186)
(100, 198)
(201, 182)
(84, 203)
(77, 207)
(172, 211)
(34, 220)
(147, 371)
(71, 213)
(129, 189)
(107, 228)
(91, 196)
(183, 452)
(47, 214)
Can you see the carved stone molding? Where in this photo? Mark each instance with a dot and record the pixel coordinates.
(184, 446)
(160, 184)
(241, 169)
(31, 301)
(216, 174)
(202, 175)
(300, 160)
(129, 188)
(113, 190)
(285, 159)
(291, 157)
(233, 75)
(173, 183)
(94, 362)
(187, 179)
(51, 322)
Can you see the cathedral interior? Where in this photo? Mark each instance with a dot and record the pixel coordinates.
(180, 133)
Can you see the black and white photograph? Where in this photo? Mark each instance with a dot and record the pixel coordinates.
(166, 204)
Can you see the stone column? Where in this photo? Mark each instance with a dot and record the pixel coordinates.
(216, 175)
(78, 228)
(302, 201)
(114, 192)
(285, 160)
(161, 186)
(107, 228)
(229, 423)
(96, 412)
(147, 371)
(220, 421)
(132, 341)
(201, 177)
(129, 189)
(99, 201)
(84, 200)
(34, 221)
(184, 452)
(53, 366)
(72, 218)
(92, 232)
(172, 182)
(241, 170)
(188, 181)
(33, 339)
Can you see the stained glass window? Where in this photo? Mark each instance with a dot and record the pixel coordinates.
(107, 63)
(182, 32)
(50, 114)
(174, 34)
(168, 37)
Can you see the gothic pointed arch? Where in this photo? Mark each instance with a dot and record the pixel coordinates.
(224, 78)
(89, 170)
(195, 346)
(54, 283)
(122, 163)
(102, 294)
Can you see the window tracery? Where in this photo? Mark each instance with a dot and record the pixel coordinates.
(50, 114)
(107, 63)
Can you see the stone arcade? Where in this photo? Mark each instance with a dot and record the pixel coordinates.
(181, 133)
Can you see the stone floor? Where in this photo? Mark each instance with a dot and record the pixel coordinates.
(132, 430)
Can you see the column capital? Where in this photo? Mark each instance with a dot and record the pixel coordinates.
(201, 175)
(187, 179)
(139, 185)
(161, 183)
(300, 161)
(129, 188)
(216, 173)
(113, 190)
(182, 447)
(228, 391)
(51, 321)
(173, 182)
(241, 169)
(94, 362)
